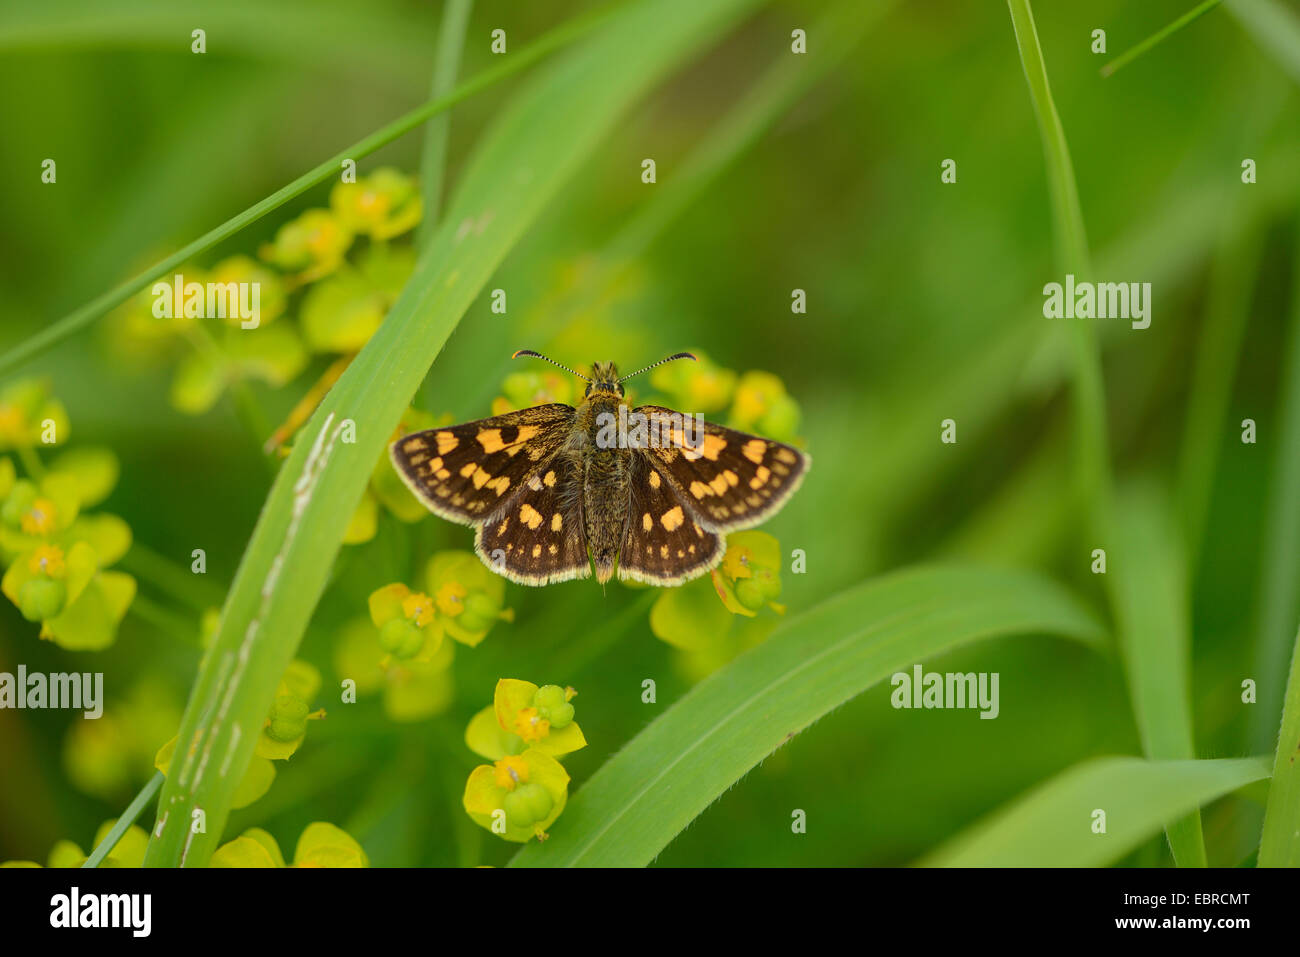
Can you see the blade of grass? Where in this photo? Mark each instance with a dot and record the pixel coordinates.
(1227, 309)
(1051, 826)
(433, 157)
(673, 770)
(1071, 240)
(1147, 578)
(1279, 601)
(550, 127)
(1279, 844)
(80, 318)
(125, 821)
(1128, 56)
(1169, 732)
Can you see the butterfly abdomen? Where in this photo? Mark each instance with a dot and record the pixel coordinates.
(606, 477)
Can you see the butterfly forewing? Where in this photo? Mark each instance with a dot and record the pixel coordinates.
(537, 536)
(466, 472)
(663, 544)
(731, 480)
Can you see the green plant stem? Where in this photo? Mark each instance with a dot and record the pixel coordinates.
(125, 821)
(433, 158)
(1128, 56)
(80, 318)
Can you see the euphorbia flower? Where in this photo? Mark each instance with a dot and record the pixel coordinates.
(519, 796)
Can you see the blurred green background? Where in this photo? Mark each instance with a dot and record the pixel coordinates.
(924, 303)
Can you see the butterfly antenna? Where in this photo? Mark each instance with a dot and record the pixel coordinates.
(680, 355)
(538, 355)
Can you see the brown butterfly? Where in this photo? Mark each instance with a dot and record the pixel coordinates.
(555, 491)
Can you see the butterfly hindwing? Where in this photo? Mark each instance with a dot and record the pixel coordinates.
(663, 544)
(537, 536)
(731, 480)
(465, 472)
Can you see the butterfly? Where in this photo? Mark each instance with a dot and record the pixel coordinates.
(555, 491)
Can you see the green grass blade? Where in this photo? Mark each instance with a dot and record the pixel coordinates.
(520, 163)
(1275, 27)
(121, 825)
(1147, 577)
(1128, 56)
(1279, 605)
(80, 318)
(1051, 826)
(1227, 310)
(665, 777)
(1071, 239)
(1279, 844)
(433, 158)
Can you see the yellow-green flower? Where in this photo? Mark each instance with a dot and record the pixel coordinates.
(523, 390)
(699, 387)
(469, 598)
(312, 246)
(381, 205)
(519, 796)
(30, 415)
(524, 716)
(320, 845)
(762, 405)
(408, 626)
(286, 724)
(412, 690)
(749, 577)
(271, 293)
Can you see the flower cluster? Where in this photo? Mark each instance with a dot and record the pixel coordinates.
(522, 732)
(57, 556)
(339, 289)
(402, 651)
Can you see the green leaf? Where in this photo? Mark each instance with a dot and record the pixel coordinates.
(1052, 825)
(1280, 844)
(534, 146)
(669, 773)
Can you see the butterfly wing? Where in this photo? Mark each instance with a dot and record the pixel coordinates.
(663, 543)
(537, 536)
(730, 480)
(464, 473)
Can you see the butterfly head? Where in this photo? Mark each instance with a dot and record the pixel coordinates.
(605, 380)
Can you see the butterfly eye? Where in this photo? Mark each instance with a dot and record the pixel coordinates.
(586, 392)
(620, 388)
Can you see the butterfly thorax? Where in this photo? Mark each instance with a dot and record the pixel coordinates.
(606, 475)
